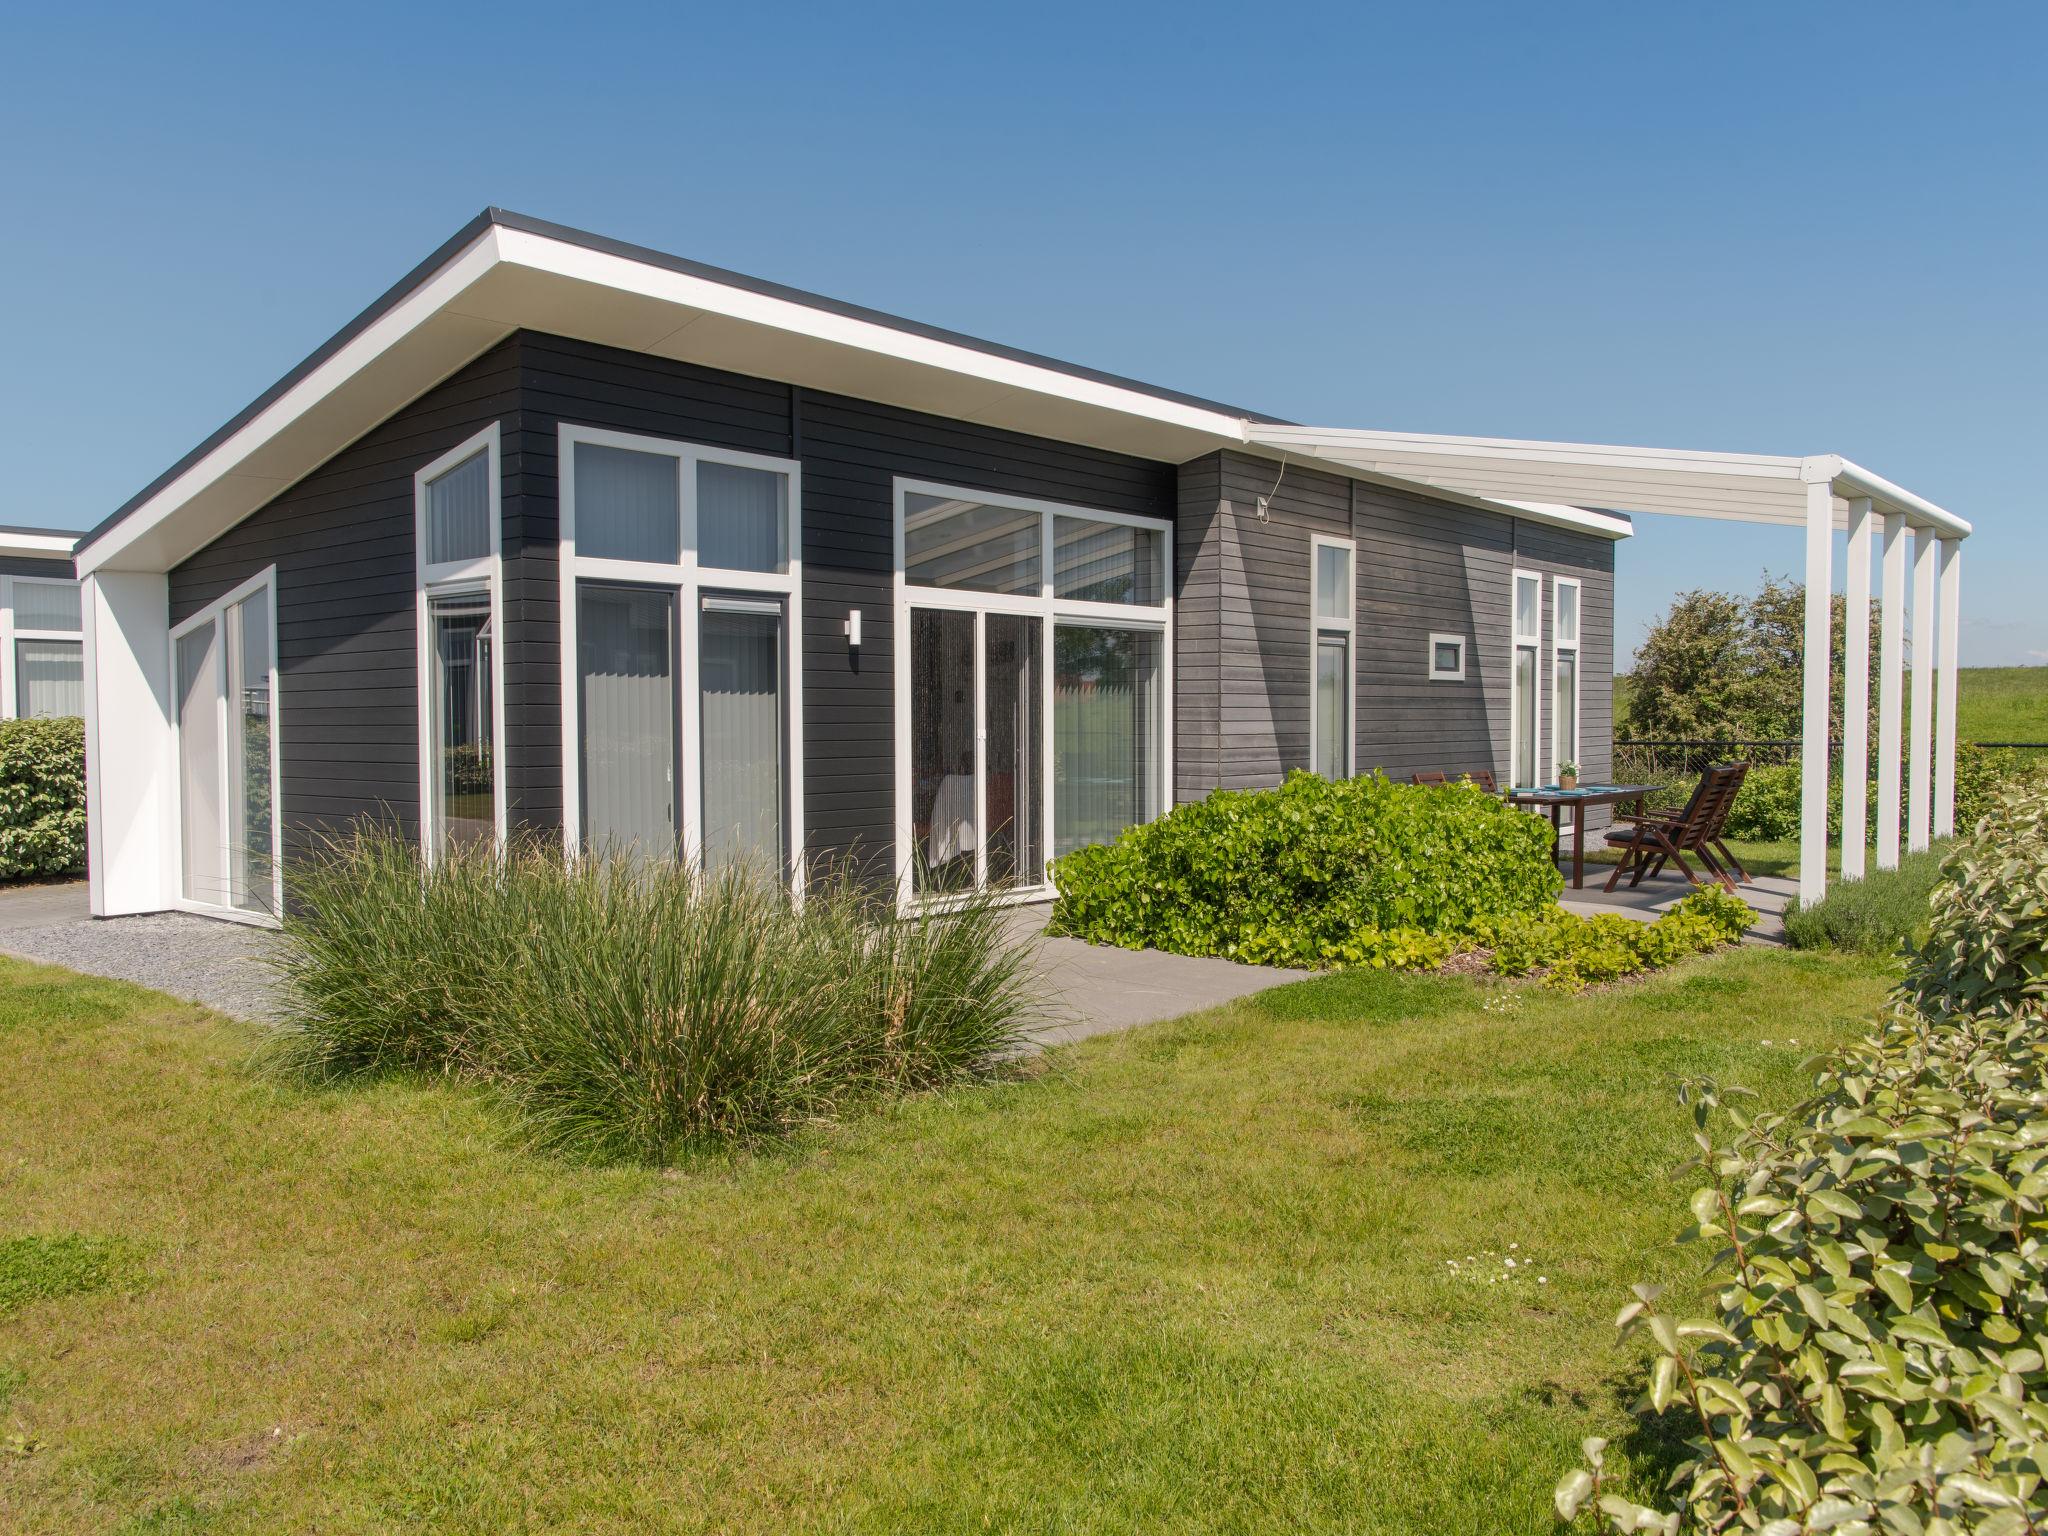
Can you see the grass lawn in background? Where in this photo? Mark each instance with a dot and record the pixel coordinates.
(1992, 703)
(1243, 1272)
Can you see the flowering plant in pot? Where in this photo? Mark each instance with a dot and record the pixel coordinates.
(1567, 775)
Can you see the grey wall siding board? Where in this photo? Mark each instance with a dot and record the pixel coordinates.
(1422, 566)
(342, 542)
(851, 451)
(29, 565)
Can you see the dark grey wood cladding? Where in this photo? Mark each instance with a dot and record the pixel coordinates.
(342, 542)
(29, 565)
(1423, 566)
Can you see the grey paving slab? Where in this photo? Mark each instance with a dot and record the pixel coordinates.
(39, 906)
(1094, 990)
(1767, 895)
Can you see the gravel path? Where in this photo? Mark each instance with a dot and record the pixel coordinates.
(197, 958)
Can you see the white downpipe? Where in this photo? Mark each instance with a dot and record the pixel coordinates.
(1856, 693)
(1919, 795)
(1813, 749)
(1891, 661)
(1945, 696)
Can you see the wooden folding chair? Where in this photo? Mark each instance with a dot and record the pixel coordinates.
(1432, 777)
(1649, 842)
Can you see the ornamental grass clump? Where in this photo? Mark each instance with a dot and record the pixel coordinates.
(1870, 1356)
(630, 1008)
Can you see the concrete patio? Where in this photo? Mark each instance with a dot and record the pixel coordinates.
(1767, 895)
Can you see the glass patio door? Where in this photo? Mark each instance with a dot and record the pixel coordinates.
(227, 815)
(977, 749)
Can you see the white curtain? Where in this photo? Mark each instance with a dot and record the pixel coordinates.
(1565, 705)
(1525, 716)
(740, 671)
(742, 517)
(627, 505)
(625, 644)
(459, 511)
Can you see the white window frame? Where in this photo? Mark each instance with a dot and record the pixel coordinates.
(1562, 752)
(1319, 626)
(691, 583)
(1446, 675)
(455, 578)
(215, 613)
(1516, 640)
(10, 631)
(1156, 618)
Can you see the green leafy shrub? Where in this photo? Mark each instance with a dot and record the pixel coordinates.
(1767, 809)
(1871, 1357)
(1315, 873)
(1884, 911)
(1574, 952)
(631, 1009)
(42, 797)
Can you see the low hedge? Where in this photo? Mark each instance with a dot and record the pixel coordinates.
(1767, 810)
(1572, 952)
(1868, 1353)
(42, 797)
(1315, 873)
(1880, 914)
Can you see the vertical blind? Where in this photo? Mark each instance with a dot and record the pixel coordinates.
(1333, 705)
(742, 517)
(46, 605)
(49, 678)
(628, 506)
(625, 642)
(740, 672)
(459, 511)
(253, 887)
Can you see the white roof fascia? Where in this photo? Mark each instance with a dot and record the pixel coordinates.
(28, 544)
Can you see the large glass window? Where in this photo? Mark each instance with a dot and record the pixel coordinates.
(740, 671)
(463, 807)
(628, 506)
(1528, 622)
(46, 605)
(970, 545)
(1031, 683)
(681, 713)
(49, 678)
(1106, 562)
(1107, 710)
(1564, 671)
(626, 696)
(458, 513)
(1330, 681)
(226, 734)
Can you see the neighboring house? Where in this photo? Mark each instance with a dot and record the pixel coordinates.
(43, 671)
(569, 538)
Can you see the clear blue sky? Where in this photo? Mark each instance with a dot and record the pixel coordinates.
(1787, 229)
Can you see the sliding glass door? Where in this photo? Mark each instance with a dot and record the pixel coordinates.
(739, 674)
(626, 699)
(976, 749)
(1032, 669)
(225, 662)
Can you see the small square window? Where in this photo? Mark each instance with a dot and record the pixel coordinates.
(1446, 658)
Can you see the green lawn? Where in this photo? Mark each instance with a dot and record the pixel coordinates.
(1195, 1277)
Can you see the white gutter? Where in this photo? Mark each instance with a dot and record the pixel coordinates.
(1853, 480)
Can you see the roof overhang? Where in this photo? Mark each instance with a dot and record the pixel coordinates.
(505, 273)
(1742, 487)
(37, 543)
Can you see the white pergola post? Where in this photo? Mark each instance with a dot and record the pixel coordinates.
(1919, 793)
(1813, 745)
(1891, 661)
(1945, 696)
(1856, 693)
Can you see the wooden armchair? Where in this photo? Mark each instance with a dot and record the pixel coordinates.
(1483, 777)
(1648, 842)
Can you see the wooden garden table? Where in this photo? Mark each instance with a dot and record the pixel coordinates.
(1579, 800)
